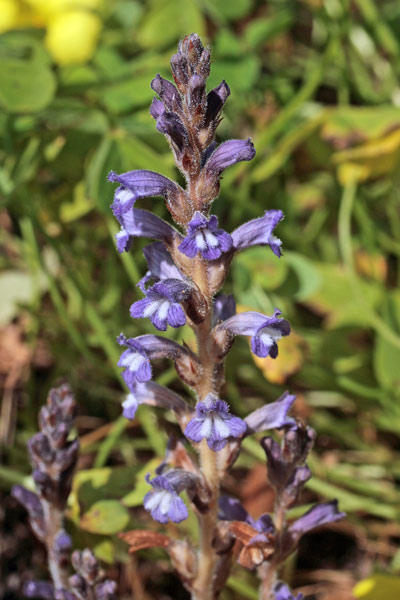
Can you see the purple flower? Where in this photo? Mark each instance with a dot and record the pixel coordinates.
(320, 514)
(130, 406)
(139, 184)
(39, 589)
(167, 92)
(214, 423)
(152, 394)
(134, 360)
(216, 99)
(265, 331)
(163, 501)
(161, 266)
(204, 236)
(282, 592)
(259, 232)
(272, 416)
(170, 124)
(142, 223)
(229, 153)
(106, 590)
(162, 304)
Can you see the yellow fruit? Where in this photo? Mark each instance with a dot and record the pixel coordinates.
(8, 15)
(72, 36)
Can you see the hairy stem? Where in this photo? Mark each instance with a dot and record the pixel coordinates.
(204, 583)
(54, 523)
(267, 574)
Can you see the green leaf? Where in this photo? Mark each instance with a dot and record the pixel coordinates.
(106, 483)
(27, 83)
(103, 160)
(386, 356)
(126, 95)
(241, 74)
(166, 22)
(259, 265)
(234, 9)
(260, 31)
(309, 280)
(105, 517)
(349, 125)
(336, 300)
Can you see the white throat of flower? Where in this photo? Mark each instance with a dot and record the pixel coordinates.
(133, 361)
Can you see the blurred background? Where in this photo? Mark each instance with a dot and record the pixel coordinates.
(315, 83)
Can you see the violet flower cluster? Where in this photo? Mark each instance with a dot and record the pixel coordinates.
(188, 263)
(53, 457)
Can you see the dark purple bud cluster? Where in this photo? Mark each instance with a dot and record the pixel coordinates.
(89, 582)
(53, 456)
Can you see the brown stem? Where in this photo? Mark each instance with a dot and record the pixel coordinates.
(267, 574)
(203, 586)
(54, 523)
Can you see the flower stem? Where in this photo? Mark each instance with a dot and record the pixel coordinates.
(203, 584)
(267, 574)
(54, 523)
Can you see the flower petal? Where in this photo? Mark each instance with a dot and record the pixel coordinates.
(272, 416)
(160, 263)
(139, 184)
(216, 99)
(320, 514)
(142, 223)
(229, 153)
(259, 232)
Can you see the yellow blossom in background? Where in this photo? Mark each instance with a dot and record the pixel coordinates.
(287, 363)
(72, 28)
(72, 36)
(8, 15)
(378, 587)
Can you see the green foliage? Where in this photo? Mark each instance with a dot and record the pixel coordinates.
(27, 83)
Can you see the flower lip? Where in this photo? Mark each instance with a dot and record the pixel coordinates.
(320, 514)
(134, 360)
(214, 423)
(265, 331)
(136, 184)
(163, 501)
(162, 304)
(205, 237)
(273, 415)
(142, 223)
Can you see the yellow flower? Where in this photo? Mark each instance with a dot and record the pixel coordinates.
(72, 36)
(8, 15)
